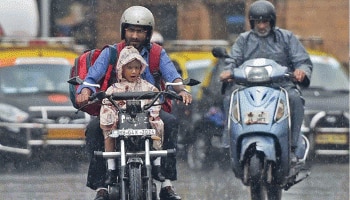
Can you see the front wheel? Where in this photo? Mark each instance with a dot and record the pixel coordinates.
(198, 153)
(262, 186)
(135, 182)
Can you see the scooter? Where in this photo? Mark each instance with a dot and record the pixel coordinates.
(134, 137)
(259, 128)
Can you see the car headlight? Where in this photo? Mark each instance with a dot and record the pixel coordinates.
(10, 113)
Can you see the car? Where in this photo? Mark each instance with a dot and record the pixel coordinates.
(326, 121)
(36, 114)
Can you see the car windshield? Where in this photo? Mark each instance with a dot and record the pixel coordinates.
(34, 78)
(197, 69)
(328, 74)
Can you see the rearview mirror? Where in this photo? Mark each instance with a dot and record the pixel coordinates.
(219, 52)
(75, 81)
(190, 82)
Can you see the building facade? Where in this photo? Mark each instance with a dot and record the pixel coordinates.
(321, 24)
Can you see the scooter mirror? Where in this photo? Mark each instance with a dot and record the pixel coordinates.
(219, 52)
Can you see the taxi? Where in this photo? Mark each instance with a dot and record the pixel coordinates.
(326, 120)
(36, 114)
(193, 59)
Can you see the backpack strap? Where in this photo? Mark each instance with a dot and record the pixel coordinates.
(154, 60)
(110, 74)
(120, 46)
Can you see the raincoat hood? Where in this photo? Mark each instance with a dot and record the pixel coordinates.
(127, 55)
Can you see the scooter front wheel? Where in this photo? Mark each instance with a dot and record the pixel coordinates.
(260, 187)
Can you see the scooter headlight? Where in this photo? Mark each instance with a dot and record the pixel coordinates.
(235, 111)
(258, 74)
(280, 111)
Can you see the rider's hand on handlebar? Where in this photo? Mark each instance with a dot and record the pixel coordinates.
(299, 75)
(226, 76)
(83, 97)
(186, 97)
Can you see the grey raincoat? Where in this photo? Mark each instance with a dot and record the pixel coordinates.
(280, 45)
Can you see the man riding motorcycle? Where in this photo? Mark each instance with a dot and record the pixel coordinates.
(136, 28)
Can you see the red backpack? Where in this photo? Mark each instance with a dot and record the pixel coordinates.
(88, 58)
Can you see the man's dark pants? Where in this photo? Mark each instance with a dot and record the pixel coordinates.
(95, 142)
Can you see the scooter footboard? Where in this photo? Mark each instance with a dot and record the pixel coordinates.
(262, 143)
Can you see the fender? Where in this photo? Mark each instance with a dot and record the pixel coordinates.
(262, 143)
(135, 160)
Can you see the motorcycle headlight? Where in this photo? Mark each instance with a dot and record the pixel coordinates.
(10, 113)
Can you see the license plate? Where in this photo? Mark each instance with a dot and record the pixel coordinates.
(257, 117)
(331, 138)
(132, 132)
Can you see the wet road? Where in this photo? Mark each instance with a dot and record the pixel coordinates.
(327, 181)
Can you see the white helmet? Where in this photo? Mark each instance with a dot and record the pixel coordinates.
(137, 15)
(157, 38)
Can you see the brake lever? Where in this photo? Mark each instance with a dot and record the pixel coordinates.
(223, 87)
(94, 98)
(174, 95)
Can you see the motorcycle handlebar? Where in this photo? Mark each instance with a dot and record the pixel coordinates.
(99, 96)
(134, 95)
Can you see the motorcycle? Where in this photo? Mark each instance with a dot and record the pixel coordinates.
(133, 136)
(259, 129)
(206, 149)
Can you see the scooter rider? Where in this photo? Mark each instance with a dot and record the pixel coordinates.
(157, 38)
(136, 28)
(265, 40)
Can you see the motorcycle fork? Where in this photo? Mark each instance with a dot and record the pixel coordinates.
(122, 168)
(149, 169)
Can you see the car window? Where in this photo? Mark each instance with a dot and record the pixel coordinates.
(34, 78)
(197, 69)
(328, 74)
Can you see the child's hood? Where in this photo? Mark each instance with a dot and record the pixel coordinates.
(126, 55)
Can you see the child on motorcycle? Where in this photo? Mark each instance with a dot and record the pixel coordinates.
(129, 67)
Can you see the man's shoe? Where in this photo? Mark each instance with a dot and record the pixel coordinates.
(294, 160)
(111, 177)
(102, 195)
(157, 174)
(168, 193)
